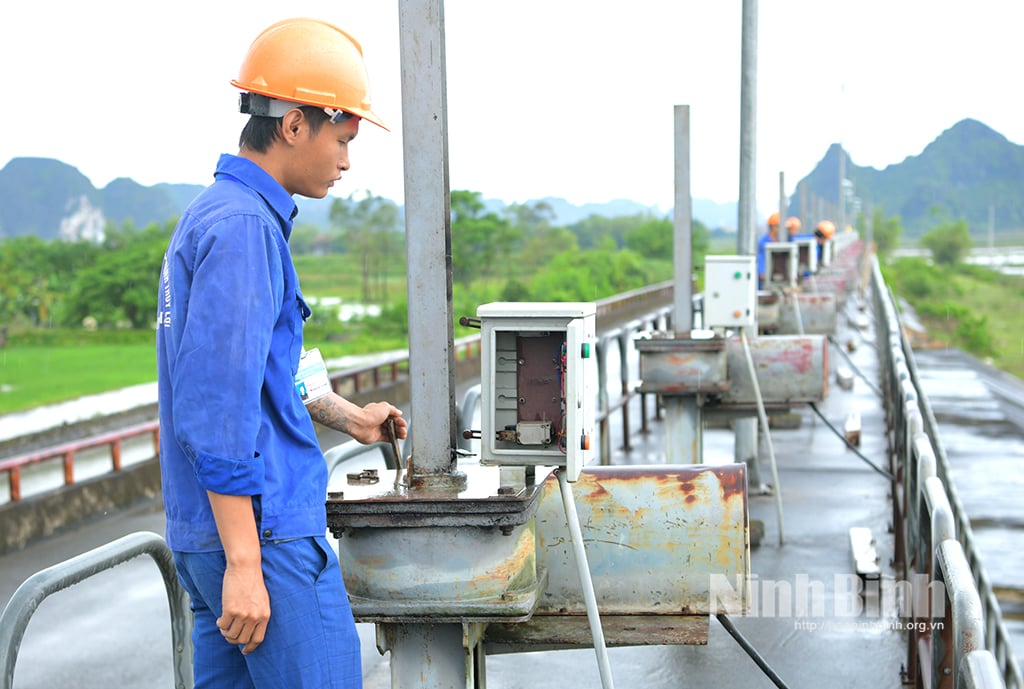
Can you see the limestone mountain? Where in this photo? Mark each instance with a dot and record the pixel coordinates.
(961, 175)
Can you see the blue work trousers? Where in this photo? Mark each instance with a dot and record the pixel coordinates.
(311, 640)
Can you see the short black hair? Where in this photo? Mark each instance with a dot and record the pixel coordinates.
(260, 132)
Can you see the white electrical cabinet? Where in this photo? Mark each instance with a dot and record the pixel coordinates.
(780, 264)
(730, 292)
(538, 384)
(807, 256)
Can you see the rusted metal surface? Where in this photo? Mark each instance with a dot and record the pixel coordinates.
(440, 574)
(817, 314)
(791, 369)
(477, 559)
(682, 365)
(654, 536)
(546, 632)
(831, 282)
(390, 503)
(769, 306)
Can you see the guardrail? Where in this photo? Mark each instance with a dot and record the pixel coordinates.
(67, 452)
(933, 536)
(26, 599)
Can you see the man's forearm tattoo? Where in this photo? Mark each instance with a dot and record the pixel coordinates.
(329, 413)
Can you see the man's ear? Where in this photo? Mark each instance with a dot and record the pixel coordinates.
(292, 124)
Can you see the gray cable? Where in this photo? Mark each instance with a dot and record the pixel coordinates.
(751, 651)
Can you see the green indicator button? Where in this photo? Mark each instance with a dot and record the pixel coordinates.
(585, 350)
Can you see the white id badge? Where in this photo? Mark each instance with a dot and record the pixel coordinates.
(311, 380)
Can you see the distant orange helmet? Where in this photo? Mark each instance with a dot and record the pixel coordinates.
(305, 62)
(793, 224)
(773, 219)
(826, 228)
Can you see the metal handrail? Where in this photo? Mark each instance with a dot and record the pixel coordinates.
(979, 670)
(900, 375)
(12, 466)
(963, 628)
(23, 604)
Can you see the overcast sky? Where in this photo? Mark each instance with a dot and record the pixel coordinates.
(557, 98)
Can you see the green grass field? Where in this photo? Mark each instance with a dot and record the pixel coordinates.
(32, 375)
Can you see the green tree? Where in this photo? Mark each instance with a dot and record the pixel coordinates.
(534, 237)
(594, 230)
(543, 245)
(480, 240)
(949, 242)
(885, 231)
(307, 238)
(589, 275)
(121, 285)
(36, 274)
(372, 232)
(654, 238)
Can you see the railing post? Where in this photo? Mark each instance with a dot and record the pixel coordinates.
(115, 454)
(624, 386)
(15, 482)
(69, 467)
(602, 399)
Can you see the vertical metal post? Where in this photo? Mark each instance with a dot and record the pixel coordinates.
(841, 207)
(745, 450)
(684, 420)
(684, 427)
(428, 655)
(417, 662)
(624, 342)
(683, 255)
(804, 214)
(745, 429)
(746, 227)
(783, 230)
(428, 232)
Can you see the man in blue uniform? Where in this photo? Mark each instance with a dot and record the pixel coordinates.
(244, 480)
(772, 235)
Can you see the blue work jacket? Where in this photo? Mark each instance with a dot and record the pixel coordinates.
(229, 336)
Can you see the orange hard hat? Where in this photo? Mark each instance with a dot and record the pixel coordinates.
(827, 228)
(793, 223)
(308, 62)
(773, 219)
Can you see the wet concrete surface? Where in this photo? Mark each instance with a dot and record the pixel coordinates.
(113, 630)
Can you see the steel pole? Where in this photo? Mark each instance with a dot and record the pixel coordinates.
(783, 230)
(428, 655)
(429, 242)
(745, 428)
(682, 315)
(746, 227)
